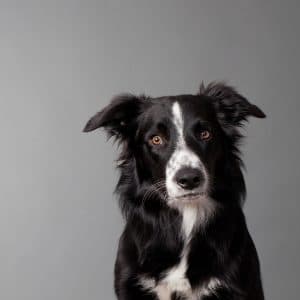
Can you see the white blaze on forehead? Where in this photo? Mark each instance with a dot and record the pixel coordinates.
(182, 155)
(177, 118)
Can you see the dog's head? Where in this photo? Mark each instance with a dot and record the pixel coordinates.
(178, 150)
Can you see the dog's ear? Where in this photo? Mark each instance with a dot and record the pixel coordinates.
(118, 116)
(232, 108)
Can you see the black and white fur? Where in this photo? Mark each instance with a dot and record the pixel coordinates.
(185, 235)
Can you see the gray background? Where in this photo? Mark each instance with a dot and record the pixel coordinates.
(61, 61)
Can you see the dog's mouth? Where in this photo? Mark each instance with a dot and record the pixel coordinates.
(190, 197)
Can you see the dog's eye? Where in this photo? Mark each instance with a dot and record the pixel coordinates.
(156, 140)
(205, 135)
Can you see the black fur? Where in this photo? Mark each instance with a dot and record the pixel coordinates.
(151, 242)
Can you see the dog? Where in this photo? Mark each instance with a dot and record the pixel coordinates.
(181, 191)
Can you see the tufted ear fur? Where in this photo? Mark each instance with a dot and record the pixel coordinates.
(117, 118)
(232, 108)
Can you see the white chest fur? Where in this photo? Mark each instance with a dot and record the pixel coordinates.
(174, 281)
(175, 278)
(164, 290)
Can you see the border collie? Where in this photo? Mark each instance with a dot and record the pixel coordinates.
(181, 191)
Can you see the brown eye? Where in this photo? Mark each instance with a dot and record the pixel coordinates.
(205, 135)
(156, 140)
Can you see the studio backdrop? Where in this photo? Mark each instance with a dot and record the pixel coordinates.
(61, 61)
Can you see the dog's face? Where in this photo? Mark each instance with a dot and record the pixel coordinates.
(176, 143)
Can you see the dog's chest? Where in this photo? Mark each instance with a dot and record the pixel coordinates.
(174, 279)
(176, 282)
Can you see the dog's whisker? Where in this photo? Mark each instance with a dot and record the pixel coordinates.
(153, 189)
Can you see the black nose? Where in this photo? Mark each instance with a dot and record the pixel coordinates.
(189, 178)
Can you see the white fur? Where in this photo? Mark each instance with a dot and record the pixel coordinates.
(166, 287)
(173, 281)
(189, 219)
(210, 288)
(181, 157)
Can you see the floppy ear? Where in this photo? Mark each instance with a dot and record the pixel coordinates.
(232, 108)
(117, 117)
